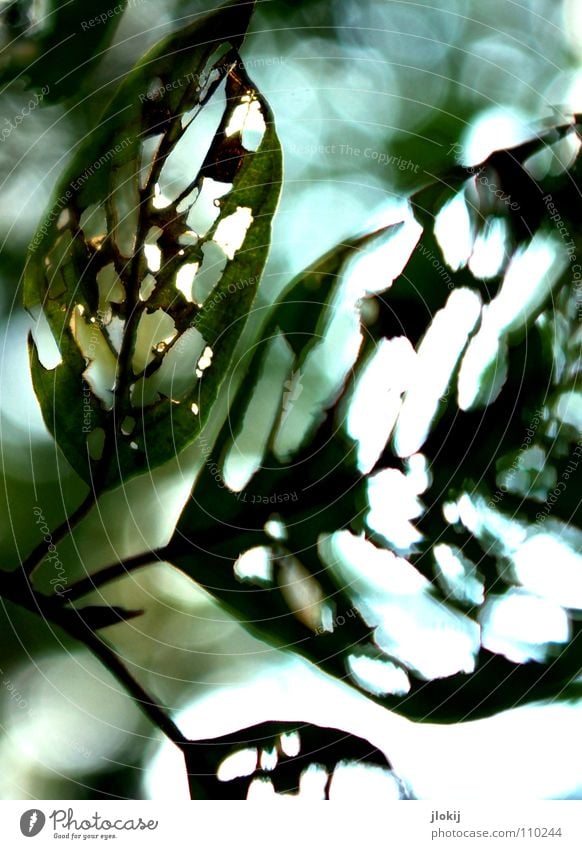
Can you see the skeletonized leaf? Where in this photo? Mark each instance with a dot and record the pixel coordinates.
(146, 286)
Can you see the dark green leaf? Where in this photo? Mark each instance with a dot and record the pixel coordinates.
(114, 403)
(282, 751)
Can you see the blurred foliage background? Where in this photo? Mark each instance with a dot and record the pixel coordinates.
(369, 98)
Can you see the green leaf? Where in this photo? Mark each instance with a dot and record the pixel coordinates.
(266, 551)
(142, 358)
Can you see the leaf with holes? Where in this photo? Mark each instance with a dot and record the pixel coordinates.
(358, 560)
(149, 259)
(282, 757)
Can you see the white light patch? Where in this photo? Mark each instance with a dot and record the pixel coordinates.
(453, 232)
(46, 344)
(379, 677)
(489, 251)
(70, 715)
(411, 625)
(185, 279)
(153, 257)
(255, 565)
(159, 200)
(153, 329)
(269, 759)
(102, 364)
(312, 783)
(232, 230)
(438, 353)
(457, 575)
(393, 503)
(418, 473)
(529, 280)
(520, 626)
(568, 409)
(237, 765)
(494, 129)
(176, 376)
(374, 270)
(364, 781)
(247, 113)
(64, 219)
(261, 789)
(562, 583)
(377, 398)
(247, 120)
(205, 360)
(276, 529)
(148, 284)
(290, 743)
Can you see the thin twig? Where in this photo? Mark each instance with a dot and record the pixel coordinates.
(78, 628)
(38, 553)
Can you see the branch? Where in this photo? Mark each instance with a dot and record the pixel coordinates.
(16, 587)
(37, 555)
(79, 629)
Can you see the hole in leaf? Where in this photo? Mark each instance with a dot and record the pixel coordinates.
(93, 222)
(232, 230)
(457, 575)
(64, 219)
(238, 765)
(213, 264)
(46, 345)
(148, 284)
(154, 329)
(378, 676)
(176, 376)
(255, 566)
(102, 364)
(438, 353)
(185, 279)
(206, 210)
